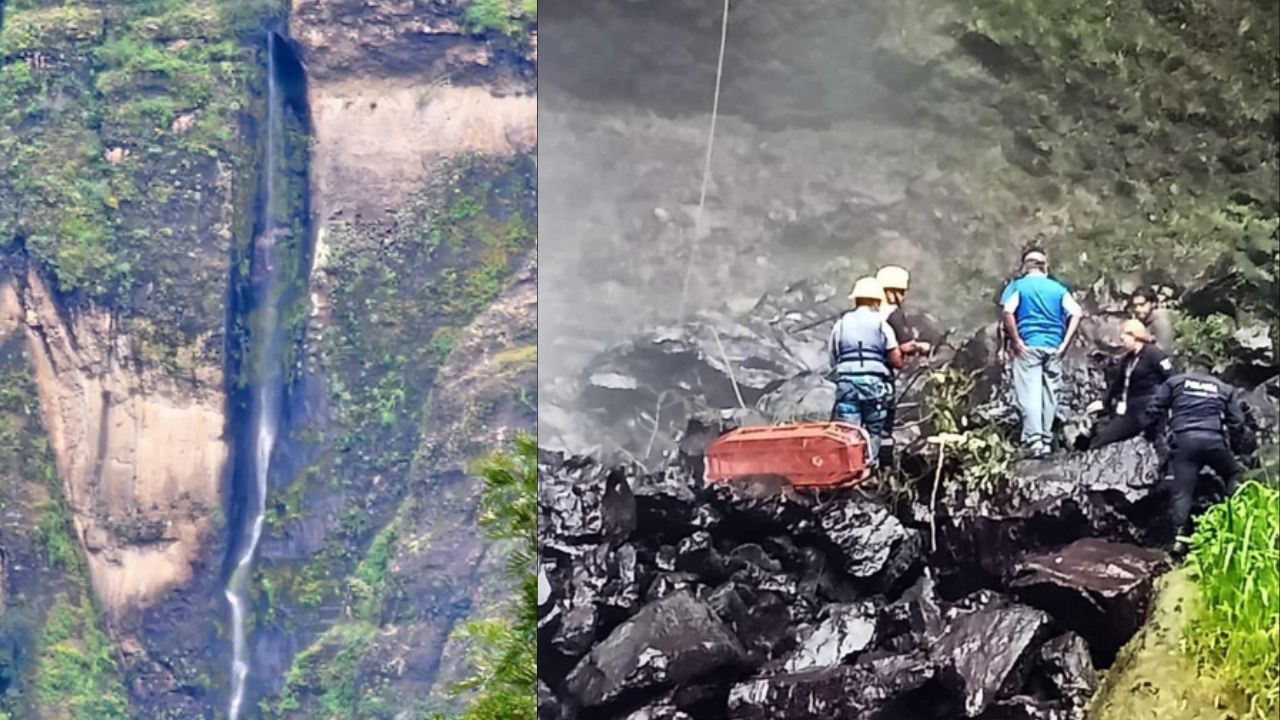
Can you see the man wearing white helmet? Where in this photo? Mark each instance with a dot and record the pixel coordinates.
(864, 353)
(895, 279)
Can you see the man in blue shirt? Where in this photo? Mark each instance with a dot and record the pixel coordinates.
(1040, 319)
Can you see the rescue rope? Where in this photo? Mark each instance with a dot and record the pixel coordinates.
(729, 366)
(706, 166)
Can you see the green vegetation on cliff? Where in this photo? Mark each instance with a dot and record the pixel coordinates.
(505, 649)
(122, 159)
(1154, 125)
(401, 292)
(509, 17)
(57, 661)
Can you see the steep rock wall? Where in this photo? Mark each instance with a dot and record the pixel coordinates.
(419, 349)
(141, 459)
(935, 134)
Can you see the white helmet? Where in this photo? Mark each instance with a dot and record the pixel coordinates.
(893, 277)
(867, 288)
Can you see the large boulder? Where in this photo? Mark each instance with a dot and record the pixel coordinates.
(1101, 590)
(1067, 673)
(583, 503)
(842, 692)
(1106, 493)
(804, 398)
(871, 543)
(842, 632)
(988, 653)
(669, 642)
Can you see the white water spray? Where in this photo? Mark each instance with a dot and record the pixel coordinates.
(264, 357)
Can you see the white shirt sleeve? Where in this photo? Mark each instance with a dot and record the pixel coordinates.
(1011, 305)
(890, 337)
(1071, 306)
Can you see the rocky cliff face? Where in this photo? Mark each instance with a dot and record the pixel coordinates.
(129, 186)
(932, 134)
(420, 348)
(122, 184)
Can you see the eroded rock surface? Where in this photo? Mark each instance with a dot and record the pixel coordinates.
(140, 458)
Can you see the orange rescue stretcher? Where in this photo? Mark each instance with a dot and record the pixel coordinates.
(810, 456)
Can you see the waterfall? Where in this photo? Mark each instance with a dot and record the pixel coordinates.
(266, 344)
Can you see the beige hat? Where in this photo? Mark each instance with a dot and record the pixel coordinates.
(894, 277)
(867, 288)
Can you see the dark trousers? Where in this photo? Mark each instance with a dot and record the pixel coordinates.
(1191, 452)
(1122, 427)
(886, 440)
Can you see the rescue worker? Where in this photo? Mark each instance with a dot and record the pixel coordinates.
(895, 281)
(1143, 368)
(1206, 422)
(864, 353)
(1158, 321)
(1040, 320)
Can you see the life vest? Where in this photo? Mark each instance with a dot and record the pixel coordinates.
(859, 346)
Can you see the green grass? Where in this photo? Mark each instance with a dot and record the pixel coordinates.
(1234, 629)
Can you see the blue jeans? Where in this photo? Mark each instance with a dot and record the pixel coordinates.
(1036, 379)
(864, 400)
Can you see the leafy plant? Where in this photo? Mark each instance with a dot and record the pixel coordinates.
(983, 454)
(1206, 340)
(504, 650)
(1235, 560)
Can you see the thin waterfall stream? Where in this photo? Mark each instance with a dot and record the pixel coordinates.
(265, 356)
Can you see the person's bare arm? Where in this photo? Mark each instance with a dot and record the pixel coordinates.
(1011, 330)
(1074, 313)
(1072, 325)
(895, 358)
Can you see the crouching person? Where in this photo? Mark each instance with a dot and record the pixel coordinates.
(864, 353)
(1206, 422)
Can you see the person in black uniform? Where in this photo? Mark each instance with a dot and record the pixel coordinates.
(1142, 369)
(1207, 421)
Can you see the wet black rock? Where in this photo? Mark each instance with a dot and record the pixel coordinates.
(1107, 492)
(588, 504)
(824, 607)
(670, 641)
(842, 692)
(548, 703)
(655, 712)
(1025, 708)
(872, 544)
(666, 503)
(1101, 590)
(988, 653)
(762, 620)
(670, 583)
(761, 510)
(1067, 672)
(842, 632)
(698, 556)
